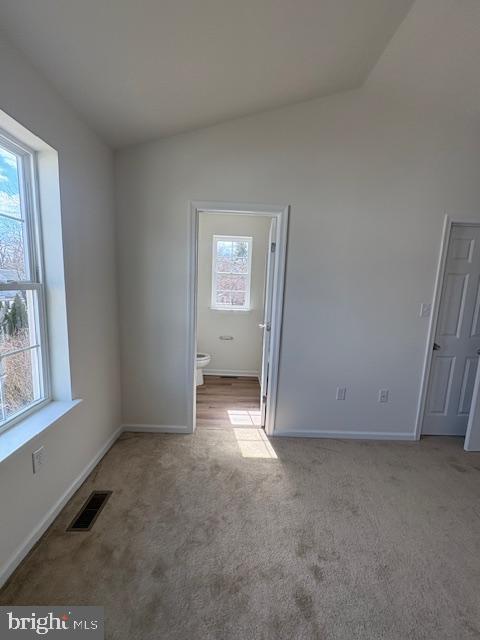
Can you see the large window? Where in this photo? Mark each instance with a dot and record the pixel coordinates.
(23, 368)
(231, 272)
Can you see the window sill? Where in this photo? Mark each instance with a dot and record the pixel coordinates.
(25, 430)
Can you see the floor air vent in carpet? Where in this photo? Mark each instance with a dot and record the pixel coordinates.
(85, 519)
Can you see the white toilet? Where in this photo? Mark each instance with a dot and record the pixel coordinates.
(203, 359)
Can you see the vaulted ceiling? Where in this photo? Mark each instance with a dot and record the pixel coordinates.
(435, 56)
(140, 69)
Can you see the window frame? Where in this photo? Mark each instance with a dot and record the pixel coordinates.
(229, 307)
(30, 216)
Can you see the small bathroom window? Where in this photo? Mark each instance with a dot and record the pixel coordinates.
(231, 272)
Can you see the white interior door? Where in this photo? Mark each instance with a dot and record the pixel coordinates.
(267, 319)
(457, 339)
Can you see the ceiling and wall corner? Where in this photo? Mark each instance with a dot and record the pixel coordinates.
(147, 69)
(174, 66)
(433, 58)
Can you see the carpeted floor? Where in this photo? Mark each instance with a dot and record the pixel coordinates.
(329, 539)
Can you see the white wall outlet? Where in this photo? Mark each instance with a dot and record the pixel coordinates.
(341, 393)
(383, 395)
(38, 459)
(425, 310)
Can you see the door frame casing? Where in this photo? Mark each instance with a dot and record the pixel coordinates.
(448, 223)
(281, 213)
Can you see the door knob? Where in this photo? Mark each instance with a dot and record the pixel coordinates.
(436, 346)
(265, 326)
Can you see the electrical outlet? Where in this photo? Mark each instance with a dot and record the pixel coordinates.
(38, 459)
(341, 393)
(383, 395)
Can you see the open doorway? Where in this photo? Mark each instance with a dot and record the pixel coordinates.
(237, 267)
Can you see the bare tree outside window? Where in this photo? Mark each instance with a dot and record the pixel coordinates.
(22, 370)
(231, 272)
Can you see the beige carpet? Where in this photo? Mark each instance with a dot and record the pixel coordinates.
(331, 539)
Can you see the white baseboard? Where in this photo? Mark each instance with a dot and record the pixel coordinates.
(50, 516)
(346, 435)
(155, 428)
(231, 372)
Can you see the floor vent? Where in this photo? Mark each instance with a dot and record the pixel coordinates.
(90, 511)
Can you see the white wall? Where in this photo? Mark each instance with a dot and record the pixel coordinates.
(243, 354)
(86, 190)
(369, 180)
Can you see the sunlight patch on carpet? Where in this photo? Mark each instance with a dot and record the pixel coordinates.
(253, 443)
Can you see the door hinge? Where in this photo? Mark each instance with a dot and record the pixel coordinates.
(273, 247)
(264, 398)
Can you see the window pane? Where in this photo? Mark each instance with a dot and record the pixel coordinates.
(231, 279)
(19, 382)
(240, 249)
(231, 282)
(9, 185)
(224, 248)
(224, 256)
(224, 297)
(21, 347)
(240, 265)
(224, 265)
(18, 311)
(239, 283)
(12, 250)
(239, 298)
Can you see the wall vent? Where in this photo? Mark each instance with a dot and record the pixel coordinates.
(90, 511)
